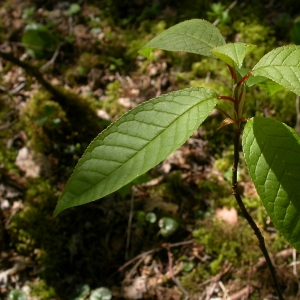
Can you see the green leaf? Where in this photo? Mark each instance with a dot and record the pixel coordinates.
(167, 226)
(233, 54)
(81, 292)
(281, 65)
(135, 143)
(243, 71)
(252, 80)
(28, 12)
(102, 293)
(194, 36)
(38, 40)
(188, 266)
(270, 86)
(73, 9)
(272, 152)
(150, 217)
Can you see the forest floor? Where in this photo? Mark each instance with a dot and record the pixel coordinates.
(117, 245)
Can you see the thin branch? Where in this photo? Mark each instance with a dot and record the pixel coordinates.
(142, 255)
(52, 60)
(129, 223)
(175, 280)
(163, 246)
(223, 288)
(223, 112)
(248, 217)
(245, 78)
(227, 10)
(226, 98)
(178, 244)
(233, 73)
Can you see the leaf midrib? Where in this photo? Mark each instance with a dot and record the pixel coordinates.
(121, 165)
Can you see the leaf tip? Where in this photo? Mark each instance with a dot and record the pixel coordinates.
(58, 209)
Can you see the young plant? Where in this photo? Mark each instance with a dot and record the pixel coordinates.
(150, 132)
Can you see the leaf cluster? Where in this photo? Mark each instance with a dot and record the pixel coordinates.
(146, 135)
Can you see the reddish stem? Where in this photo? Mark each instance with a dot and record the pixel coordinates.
(232, 72)
(244, 78)
(226, 98)
(224, 113)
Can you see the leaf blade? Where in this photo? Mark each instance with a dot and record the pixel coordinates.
(194, 36)
(272, 152)
(281, 65)
(270, 86)
(233, 54)
(135, 143)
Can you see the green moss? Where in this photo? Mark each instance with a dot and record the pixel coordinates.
(110, 103)
(225, 163)
(214, 189)
(42, 291)
(251, 30)
(225, 243)
(27, 226)
(89, 60)
(7, 158)
(43, 118)
(278, 242)
(60, 251)
(60, 131)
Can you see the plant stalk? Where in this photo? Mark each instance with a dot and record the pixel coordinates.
(247, 216)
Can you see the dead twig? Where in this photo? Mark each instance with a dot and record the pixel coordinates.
(242, 294)
(214, 280)
(129, 222)
(163, 246)
(227, 10)
(284, 254)
(142, 255)
(52, 60)
(177, 244)
(175, 280)
(223, 288)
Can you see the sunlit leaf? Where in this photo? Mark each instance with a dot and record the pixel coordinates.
(150, 217)
(194, 36)
(272, 152)
(281, 65)
(233, 54)
(101, 293)
(135, 143)
(81, 292)
(167, 226)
